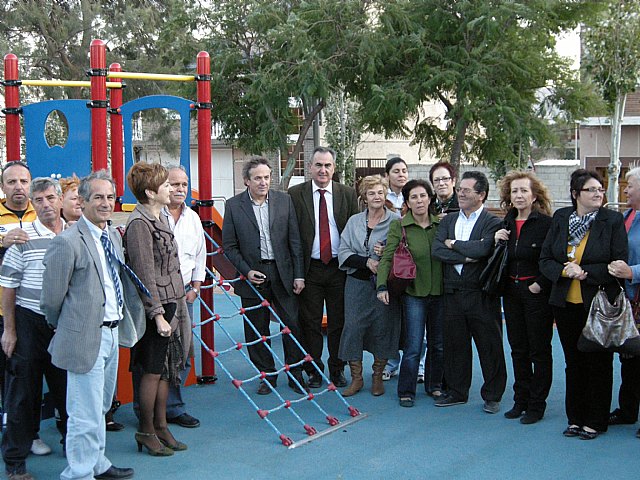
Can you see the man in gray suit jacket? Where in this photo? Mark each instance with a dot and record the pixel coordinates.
(93, 307)
(260, 237)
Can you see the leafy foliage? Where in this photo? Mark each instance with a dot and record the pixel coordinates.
(490, 65)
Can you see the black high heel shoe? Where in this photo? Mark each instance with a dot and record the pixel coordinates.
(141, 440)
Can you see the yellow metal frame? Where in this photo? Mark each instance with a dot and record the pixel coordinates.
(152, 76)
(64, 83)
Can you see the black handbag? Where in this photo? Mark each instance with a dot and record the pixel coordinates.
(492, 275)
(610, 327)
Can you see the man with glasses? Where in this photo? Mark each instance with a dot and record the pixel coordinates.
(443, 178)
(464, 242)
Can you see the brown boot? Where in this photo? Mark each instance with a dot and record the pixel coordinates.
(377, 387)
(356, 379)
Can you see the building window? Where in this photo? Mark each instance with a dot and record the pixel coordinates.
(298, 168)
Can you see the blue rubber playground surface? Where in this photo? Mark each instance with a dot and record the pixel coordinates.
(460, 442)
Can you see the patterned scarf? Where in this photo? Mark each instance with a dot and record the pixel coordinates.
(579, 226)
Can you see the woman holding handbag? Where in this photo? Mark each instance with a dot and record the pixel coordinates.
(629, 393)
(422, 301)
(368, 324)
(583, 240)
(525, 299)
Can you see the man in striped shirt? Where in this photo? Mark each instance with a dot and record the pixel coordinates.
(28, 359)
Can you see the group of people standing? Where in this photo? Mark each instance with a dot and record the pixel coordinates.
(315, 246)
(71, 297)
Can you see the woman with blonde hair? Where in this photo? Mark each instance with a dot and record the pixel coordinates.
(527, 312)
(71, 201)
(369, 325)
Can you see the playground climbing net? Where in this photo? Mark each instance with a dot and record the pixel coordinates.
(317, 400)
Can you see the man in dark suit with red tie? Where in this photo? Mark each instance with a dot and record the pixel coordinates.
(323, 208)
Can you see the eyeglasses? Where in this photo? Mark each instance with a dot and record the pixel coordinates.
(465, 191)
(593, 190)
(441, 180)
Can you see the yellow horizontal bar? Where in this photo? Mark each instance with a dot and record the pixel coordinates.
(151, 76)
(65, 83)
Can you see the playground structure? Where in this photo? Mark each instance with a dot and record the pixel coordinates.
(87, 151)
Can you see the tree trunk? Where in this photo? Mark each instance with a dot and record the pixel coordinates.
(291, 159)
(614, 162)
(456, 149)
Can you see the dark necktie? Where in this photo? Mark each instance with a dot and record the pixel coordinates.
(325, 233)
(112, 261)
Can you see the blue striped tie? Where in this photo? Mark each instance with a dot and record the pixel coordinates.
(112, 261)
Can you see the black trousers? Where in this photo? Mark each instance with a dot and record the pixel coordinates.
(589, 376)
(286, 306)
(470, 314)
(629, 394)
(323, 284)
(529, 321)
(25, 369)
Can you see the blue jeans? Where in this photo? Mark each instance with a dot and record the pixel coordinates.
(422, 314)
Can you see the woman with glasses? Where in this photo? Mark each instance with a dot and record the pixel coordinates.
(583, 240)
(369, 325)
(422, 301)
(443, 179)
(525, 297)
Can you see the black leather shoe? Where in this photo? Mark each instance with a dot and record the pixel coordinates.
(292, 385)
(338, 379)
(515, 412)
(263, 389)
(530, 418)
(618, 418)
(115, 472)
(315, 380)
(185, 420)
(572, 431)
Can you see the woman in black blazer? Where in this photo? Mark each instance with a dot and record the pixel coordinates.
(525, 297)
(583, 240)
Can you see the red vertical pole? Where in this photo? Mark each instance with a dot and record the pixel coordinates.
(203, 78)
(98, 75)
(12, 103)
(117, 161)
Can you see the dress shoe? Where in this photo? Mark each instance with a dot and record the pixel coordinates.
(147, 440)
(338, 379)
(110, 424)
(448, 401)
(618, 418)
(491, 407)
(530, 418)
(315, 380)
(585, 435)
(638, 433)
(263, 389)
(572, 431)
(292, 385)
(515, 412)
(115, 472)
(185, 420)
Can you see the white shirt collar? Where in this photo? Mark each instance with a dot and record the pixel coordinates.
(328, 188)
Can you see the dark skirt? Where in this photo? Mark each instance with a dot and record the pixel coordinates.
(150, 353)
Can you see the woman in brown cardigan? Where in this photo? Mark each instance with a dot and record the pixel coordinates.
(152, 253)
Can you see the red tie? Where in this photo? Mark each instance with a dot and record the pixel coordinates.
(325, 233)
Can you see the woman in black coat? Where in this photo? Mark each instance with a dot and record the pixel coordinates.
(527, 311)
(583, 240)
